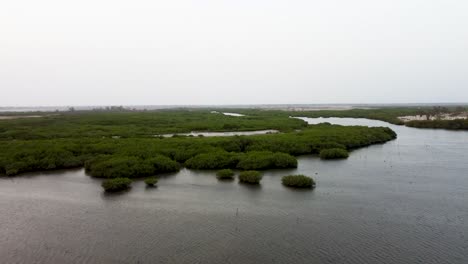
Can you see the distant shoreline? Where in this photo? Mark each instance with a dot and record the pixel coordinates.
(289, 107)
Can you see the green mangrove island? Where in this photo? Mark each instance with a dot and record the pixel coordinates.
(151, 181)
(226, 174)
(298, 181)
(125, 144)
(250, 177)
(116, 184)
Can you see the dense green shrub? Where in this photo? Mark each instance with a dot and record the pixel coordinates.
(162, 164)
(226, 174)
(251, 177)
(295, 145)
(213, 161)
(457, 124)
(113, 166)
(283, 160)
(254, 160)
(327, 145)
(334, 153)
(183, 151)
(261, 160)
(15, 168)
(118, 167)
(117, 184)
(151, 181)
(298, 181)
(32, 159)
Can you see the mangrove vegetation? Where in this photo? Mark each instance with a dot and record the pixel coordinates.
(226, 174)
(116, 184)
(151, 181)
(250, 177)
(334, 153)
(298, 181)
(121, 144)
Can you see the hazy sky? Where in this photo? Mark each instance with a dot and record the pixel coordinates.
(92, 52)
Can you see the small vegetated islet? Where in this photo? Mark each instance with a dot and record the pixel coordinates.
(250, 177)
(334, 153)
(298, 181)
(226, 174)
(151, 181)
(116, 184)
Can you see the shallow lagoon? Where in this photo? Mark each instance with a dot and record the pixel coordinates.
(222, 134)
(401, 202)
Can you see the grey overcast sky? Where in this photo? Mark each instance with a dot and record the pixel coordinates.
(99, 52)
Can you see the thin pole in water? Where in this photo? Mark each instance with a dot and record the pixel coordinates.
(237, 219)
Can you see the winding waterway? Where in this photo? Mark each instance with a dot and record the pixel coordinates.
(405, 201)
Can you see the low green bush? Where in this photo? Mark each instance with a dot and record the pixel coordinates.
(327, 145)
(298, 181)
(226, 174)
(117, 184)
(151, 181)
(251, 177)
(457, 124)
(334, 153)
(116, 166)
(213, 161)
(262, 160)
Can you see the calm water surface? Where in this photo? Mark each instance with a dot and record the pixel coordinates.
(405, 201)
(223, 134)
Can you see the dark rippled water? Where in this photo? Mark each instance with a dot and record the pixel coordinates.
(402, 202)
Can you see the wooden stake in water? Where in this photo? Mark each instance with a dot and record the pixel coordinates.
(237, 219)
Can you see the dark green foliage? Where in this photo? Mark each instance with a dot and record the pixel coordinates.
(112, 166)
(257, 160)
(458, 124)
(32, 157)
(250, 177)
(117, 184)
(254, 160)
(225, 174)
(151, 181)
(334, 153)
(162, 164)
(298, 181)
(327, 145)
(213, 161)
